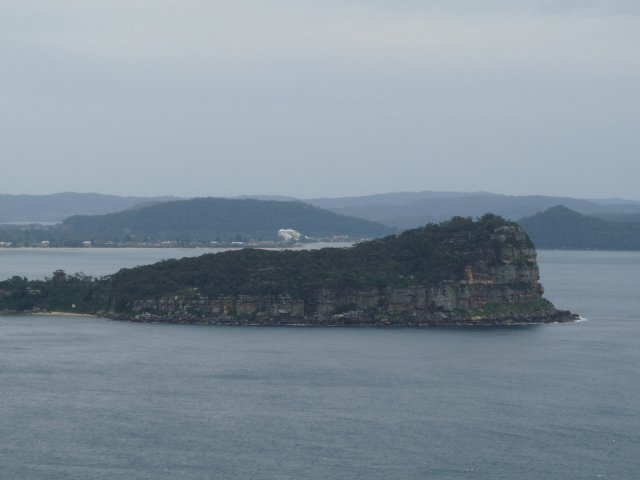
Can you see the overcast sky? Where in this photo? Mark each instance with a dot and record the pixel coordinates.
(320, 98)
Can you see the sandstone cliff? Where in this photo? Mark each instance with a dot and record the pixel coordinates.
(493, 279)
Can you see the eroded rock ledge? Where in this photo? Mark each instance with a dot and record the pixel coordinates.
(414, 306)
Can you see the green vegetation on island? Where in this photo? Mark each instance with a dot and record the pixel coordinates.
(428, 275)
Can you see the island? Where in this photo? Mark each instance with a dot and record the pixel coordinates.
(458, 272)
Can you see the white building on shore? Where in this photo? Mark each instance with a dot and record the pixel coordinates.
(288, 235)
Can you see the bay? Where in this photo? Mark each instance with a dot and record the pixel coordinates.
(38, 263)
(88, 398)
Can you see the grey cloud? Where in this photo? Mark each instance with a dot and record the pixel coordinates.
(319, 98)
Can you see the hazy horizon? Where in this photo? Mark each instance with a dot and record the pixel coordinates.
(304, 198)
(320, 99)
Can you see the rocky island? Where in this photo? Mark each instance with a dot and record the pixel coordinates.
(456, 272)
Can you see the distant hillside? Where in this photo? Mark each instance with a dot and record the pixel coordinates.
(410, 209)
(399, 210)
(562, 228)
(392, 198)
(201, 220)
(58, 206)
(620, 217)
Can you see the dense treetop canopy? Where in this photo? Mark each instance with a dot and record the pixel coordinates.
(420, 256)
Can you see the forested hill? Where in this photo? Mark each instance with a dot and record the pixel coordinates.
(460, 271)
(209, 219)
(562, 228)
(425, 255)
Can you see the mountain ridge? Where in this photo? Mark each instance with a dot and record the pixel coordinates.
(201, 221)
(397, 209)
(423, 207)
(58, 206)
(562, 228)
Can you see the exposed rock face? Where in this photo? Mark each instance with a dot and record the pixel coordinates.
(500, 287)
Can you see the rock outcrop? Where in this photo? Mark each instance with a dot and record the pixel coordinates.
(501, 286)
(457, 272)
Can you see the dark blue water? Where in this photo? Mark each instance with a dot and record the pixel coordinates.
(84, 398)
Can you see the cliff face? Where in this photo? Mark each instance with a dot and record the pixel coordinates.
(500, 286)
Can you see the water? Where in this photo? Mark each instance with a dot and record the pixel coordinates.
(38, 263)
(85, 398)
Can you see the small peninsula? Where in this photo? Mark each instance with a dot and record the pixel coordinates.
(458, 272)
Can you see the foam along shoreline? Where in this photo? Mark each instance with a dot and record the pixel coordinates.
(61, 314)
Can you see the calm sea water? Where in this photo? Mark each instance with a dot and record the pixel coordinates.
(38, 263)
(86, 398)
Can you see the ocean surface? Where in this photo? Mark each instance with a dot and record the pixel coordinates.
(86, 398)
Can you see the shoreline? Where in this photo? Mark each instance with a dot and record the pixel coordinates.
(58, 314)
(558, 316)
(572, 318)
